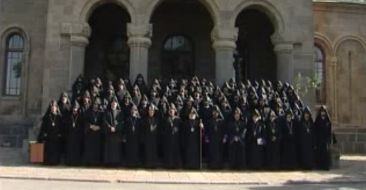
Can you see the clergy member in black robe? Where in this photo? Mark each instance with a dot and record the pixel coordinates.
(237, 132)
(64, 104)
(113, 124)
(51, 135)
(288, 143)
(150, 128)
(323, 134)
(93, 139)
(257, 138)
(78, 88)
(171, 143)
(214, 136)
(306, 140)
(273, 136)
(192, 140)
(131, 132)
(74, 136)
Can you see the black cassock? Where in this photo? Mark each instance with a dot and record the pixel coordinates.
(322, 131)
(171, 142)
(74, 139)
(150, 132)
(51, 135)
(237, 131)
(65, 111)
(289, 153)
(93, 139)
(214, 132)
(113, 139)
(191, 144)
(306, 144)
(205, 115)
(273, 151)
(131, 132)
(257, 137)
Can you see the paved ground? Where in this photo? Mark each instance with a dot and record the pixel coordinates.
(58, 185)
(352, 171)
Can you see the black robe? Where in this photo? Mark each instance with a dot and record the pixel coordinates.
(214, 132)
(93, 140)
(257, 138)
(150, 135)
(65, 110)
(205, 115)
(237, 131)
(192, 144)
(113, 140)
(322, 131)
(131, 132)
(171, 142)
(288, 146)
(74, 139)
(273, 151)
(306, 144)
(51, 135)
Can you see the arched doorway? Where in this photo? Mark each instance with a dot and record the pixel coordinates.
(181, 42)
(107, 55)
(255, 46)
(177, 57)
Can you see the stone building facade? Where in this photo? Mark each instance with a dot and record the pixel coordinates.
(340, 35)
(55, 41)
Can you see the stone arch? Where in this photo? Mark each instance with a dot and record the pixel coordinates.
(350, 51)
(339, 41)
(210, 5)
(325, 43)
(108, 40)
(89, 7)
(264, 6)
(15, 29)
(327, 89)
(255, 45)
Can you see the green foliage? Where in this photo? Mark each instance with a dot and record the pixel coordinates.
(17, 68)
(304, 84)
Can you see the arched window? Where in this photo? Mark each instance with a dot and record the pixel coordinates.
(14, 58)
(178, 43)
(178, 57)
(319, 60)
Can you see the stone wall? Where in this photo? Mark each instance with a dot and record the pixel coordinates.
(27, 17)
(340, 32)
(351, 140)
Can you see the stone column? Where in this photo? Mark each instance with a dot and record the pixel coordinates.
(139, 41)
(333, 64)
(285, 66)
(78, 34)
(77, 56)
(224, 44)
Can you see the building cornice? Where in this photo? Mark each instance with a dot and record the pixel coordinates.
(341, 7)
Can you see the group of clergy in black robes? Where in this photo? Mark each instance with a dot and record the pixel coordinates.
(185, 124)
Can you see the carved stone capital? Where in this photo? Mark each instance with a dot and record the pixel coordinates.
(333, 60)
(220, 33)
(139, 41)
(75, 29)
(77, 40)
(140, 30)
(284, 47)
(224, 44)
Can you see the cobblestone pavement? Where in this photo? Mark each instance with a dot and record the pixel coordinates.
(352, 170)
